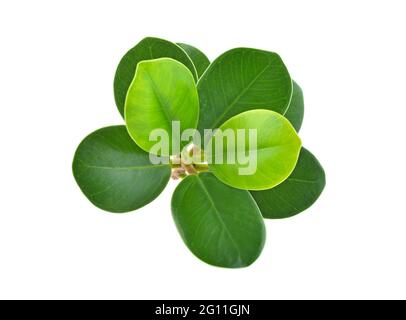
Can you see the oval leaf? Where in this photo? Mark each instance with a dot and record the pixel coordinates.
(239, 80)
(219, 224)
(296, 193)
(114, 173)
(149, 48)
(200, 61)
(295, 111)
(162, 91)
(243, 162)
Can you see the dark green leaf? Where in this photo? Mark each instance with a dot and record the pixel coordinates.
(239, 80)
(295, 111)
(296, 193)
(147, 49)
(220, 225)
(114, 173)
(199, 59)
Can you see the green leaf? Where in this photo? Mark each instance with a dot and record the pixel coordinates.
(239, 80)
(219, 224)
(149, 48)
(295, 111)
(114, 173)
(200, 61)
(296, 193)
(163, 90)
(268, 161)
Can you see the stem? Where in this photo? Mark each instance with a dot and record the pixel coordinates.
(201, 167)
(175, 161)
(178, 173)
(183, 165)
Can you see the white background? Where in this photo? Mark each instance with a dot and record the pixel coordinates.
(57, 62)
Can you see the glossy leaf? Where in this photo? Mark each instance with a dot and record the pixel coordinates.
(220, 225)
(269, 160)
(114, 173)
(239, 80)
(295, 111)
(163, 90)
(200, 61)
(296, 193)
(149, 48)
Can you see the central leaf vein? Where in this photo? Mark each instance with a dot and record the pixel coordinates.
(238, 97)
(218, 215)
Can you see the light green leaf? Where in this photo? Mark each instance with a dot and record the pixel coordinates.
(114, 173)
(295, 111)
(296, 193)
(220, 225)
(200, 61)
(149, 48)
(239, 80)
(249, 164)
(163, 91)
